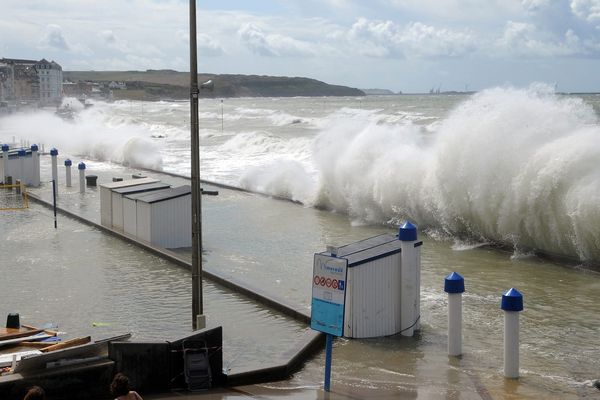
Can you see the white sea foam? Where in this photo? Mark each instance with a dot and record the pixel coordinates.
(510, 165)
(91, 134)
(283, 178)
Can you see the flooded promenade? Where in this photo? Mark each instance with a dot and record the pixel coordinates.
(90, 282)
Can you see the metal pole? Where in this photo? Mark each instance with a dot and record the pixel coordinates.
(328, 351)
(197, 306)
(54, 202)
(221, 115)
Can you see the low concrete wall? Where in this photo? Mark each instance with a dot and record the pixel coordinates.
(296, 358)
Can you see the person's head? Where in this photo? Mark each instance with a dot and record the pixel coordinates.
(35, 393)
(119, 385)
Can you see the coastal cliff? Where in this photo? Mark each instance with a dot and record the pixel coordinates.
(169, 84)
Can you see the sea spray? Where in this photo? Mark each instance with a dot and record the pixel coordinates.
(516, 166)
(282, 178)
(94, 133)
(371, 171)
(507, 165)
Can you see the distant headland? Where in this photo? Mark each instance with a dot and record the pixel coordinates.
(170, 84)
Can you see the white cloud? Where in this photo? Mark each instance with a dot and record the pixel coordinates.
(535, 5)
(53, 39)
(428, 41)
(318, 38)
(111, 40)
(525, 40)
(108, 36)
(273, 45)
(588, 10)
(254, 38)
(207, 46)
(462, 10)
(415, 40)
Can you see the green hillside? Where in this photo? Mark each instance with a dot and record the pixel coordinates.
(169, 84)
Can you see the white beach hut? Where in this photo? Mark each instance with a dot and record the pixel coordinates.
(379, 289)
(164, 218)
(118, 196)
(22, 164)
(106, 196)
(130, 211)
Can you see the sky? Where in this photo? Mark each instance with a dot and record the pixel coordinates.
(401, 45)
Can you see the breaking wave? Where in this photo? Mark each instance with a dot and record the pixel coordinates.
(517, 166)
(94, 133)
(509, 165)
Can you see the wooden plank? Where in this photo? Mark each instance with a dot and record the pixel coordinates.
(48, 331)
(37, 345)
(10, 333)
(68, 343)
(10, 342)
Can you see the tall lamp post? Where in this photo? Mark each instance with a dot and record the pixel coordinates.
(198, 318)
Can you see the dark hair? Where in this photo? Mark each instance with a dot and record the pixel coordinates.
(119, 385)
(35, 393)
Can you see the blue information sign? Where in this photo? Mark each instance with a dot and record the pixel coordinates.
(328, 294)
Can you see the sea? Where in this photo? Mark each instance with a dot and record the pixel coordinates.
(504, 185)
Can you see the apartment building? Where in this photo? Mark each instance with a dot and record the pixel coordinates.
(31, 81)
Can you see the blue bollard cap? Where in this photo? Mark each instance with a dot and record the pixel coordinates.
(53, 152)
(22, 153)
(407, 232)
(512, 300)
(68, 163)
(34, 147)
(454, 283)
(81, 165)
(5, 147)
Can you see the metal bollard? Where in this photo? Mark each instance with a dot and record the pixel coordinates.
(512, 304)
(35, 157)
(68, 164)
(81, 168)
(22, 154)
(54, 154)
(410, 284)
(5, 148)
(454, 285)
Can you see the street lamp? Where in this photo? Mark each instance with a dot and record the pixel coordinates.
(198, 318)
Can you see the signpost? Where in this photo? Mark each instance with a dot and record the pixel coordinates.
(328, 302)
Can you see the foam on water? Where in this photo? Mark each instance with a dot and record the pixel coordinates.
(95, 133)
(517, 166)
